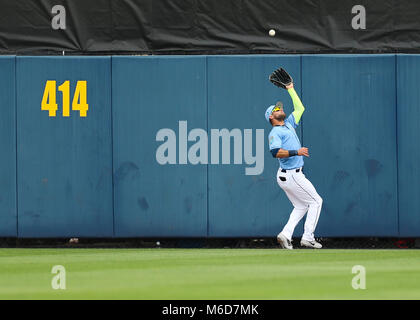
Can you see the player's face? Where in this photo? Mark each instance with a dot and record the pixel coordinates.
(278, 113)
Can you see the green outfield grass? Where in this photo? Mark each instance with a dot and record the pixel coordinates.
(202, 274)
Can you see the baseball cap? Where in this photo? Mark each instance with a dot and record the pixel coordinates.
(268, 112)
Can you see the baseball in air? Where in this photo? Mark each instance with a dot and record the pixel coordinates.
(272, 33)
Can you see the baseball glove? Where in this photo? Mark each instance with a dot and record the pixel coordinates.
(280, 78)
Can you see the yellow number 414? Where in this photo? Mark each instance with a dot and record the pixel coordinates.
(79, 103)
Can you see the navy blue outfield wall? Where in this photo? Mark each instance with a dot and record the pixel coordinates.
(176, 146)
(64, 159)
(350, 127)
(148, 95)
(8, 212)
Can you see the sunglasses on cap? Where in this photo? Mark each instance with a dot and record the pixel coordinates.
(276, 109)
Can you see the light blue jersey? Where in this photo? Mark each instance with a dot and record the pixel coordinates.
(285, 137)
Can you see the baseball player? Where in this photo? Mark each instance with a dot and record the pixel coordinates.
(285, 145)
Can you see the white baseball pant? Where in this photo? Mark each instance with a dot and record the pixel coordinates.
(303, 196)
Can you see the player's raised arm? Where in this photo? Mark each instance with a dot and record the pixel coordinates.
(282, 79)
(297, 104)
